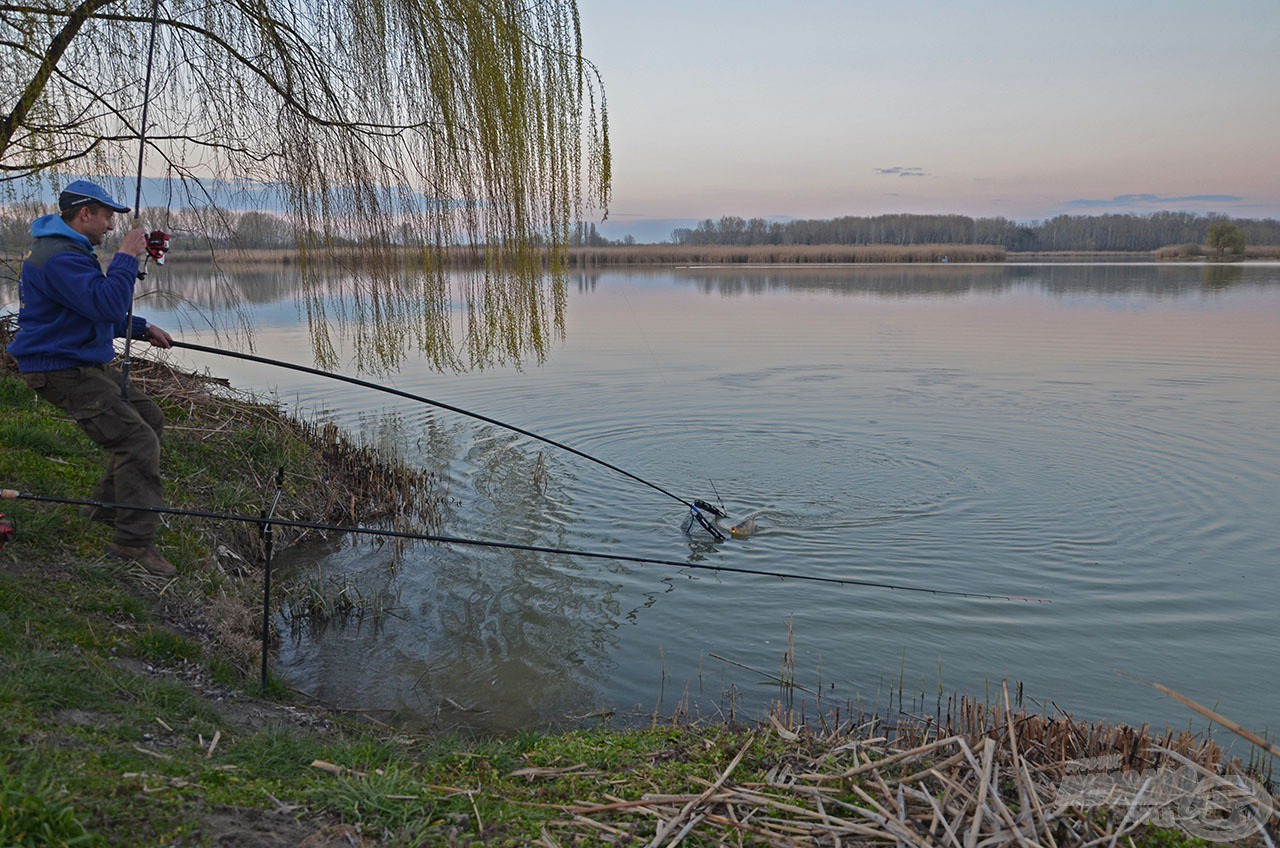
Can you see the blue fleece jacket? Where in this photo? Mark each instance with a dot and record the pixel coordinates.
(69, 310)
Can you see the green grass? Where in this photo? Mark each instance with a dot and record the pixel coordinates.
(36, 810)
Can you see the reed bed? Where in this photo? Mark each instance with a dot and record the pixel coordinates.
(1200, 252)
(989, 775)
(1082, 256)
(242, 259)
(647, 254)
(667, 254)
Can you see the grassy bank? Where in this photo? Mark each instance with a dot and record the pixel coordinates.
(129, 711)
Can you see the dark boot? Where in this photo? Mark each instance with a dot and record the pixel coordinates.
(149, 558)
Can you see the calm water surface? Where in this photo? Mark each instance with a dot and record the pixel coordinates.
(1107, 437)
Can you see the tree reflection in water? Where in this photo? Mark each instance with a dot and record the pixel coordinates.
(449, 320)
(475, 639)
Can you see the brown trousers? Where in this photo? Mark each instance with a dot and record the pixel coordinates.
(129, 430)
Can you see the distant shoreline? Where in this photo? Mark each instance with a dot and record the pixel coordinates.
(669, 255)
(666, 255)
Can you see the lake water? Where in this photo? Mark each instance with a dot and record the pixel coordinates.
(1103, 436)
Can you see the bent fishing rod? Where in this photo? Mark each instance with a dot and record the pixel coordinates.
(696, 507)
(264, 521)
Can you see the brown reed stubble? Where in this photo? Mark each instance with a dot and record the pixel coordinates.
(986, 774)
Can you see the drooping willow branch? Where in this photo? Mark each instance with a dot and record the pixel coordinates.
(379, 125)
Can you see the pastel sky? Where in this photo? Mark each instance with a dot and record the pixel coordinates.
(821, 108)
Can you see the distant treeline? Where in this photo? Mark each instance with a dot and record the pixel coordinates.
(1065, 232)
(792, 254)
(193, 230)
(206, 230)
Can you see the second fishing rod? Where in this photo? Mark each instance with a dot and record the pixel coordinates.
(696, 507)
(265, 521)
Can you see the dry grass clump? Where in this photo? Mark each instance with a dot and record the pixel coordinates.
(348, 483)
(1190, 250)
(990, 776)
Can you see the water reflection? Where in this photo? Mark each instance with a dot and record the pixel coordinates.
(956, 280)
(1222, 276)
(501, 318)
(449, 321)
(475, 641)
(477, 638)
(1101, 436)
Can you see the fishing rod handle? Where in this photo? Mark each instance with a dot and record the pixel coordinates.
(9, 494)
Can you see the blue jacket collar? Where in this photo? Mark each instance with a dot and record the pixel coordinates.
(53, 225)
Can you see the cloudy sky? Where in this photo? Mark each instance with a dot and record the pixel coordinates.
(1026, 108)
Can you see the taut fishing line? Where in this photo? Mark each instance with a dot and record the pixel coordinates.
(12, 494)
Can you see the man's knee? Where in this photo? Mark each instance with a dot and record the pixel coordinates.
(122, 429)
(150, 413)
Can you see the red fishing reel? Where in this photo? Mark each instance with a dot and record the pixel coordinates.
(7, 531)
(157, 245)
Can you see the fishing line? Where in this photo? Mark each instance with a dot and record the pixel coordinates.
(137, 194)
(12, 494)
(693, 505)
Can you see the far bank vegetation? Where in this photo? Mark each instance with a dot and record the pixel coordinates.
(255, 237)
(792, 254)
(1083, 233)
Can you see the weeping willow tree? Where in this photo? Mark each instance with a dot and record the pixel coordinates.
(381, 128)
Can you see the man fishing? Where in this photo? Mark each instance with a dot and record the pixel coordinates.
(69, 314)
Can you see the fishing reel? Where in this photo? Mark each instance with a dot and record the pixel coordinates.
(157, 245)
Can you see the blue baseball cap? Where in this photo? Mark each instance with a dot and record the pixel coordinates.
(82, 192)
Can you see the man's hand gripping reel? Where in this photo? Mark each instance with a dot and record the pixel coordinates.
(157, 247)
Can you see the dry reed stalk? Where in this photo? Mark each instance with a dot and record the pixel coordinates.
(665, 829)
(779, 680)
(902, 756)
(954, 759)
(989, 775)
(1234, 727)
